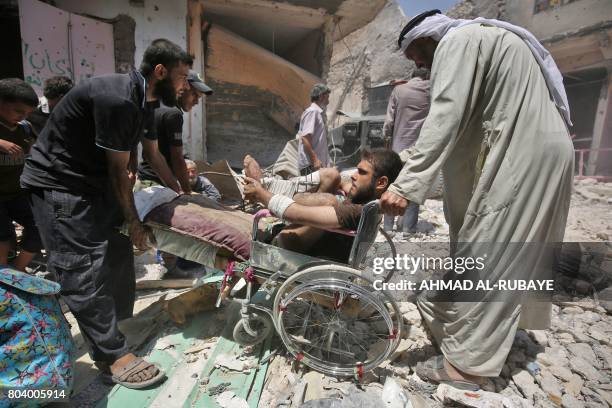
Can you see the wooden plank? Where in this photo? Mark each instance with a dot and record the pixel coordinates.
(223, 177)
(164, 284)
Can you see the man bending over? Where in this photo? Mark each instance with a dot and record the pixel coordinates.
(311, 214)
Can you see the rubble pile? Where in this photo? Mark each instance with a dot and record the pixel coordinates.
(589, 217)
(569, 365)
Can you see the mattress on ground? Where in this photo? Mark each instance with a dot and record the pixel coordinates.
(201, 218)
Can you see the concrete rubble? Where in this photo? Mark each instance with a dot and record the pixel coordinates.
(569, 365)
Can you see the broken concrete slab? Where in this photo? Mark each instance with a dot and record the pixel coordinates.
(585, 369)
(574, 385)
(526, 384)
(314, 389)
(394, 396)
(476, 399)
(551, 387)
(584, 351)
(228, 399)
(230, 362)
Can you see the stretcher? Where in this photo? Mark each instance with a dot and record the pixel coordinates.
(327, 314)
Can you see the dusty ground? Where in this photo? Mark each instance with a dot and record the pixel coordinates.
(568, 365)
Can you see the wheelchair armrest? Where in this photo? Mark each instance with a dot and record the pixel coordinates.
(263, 213)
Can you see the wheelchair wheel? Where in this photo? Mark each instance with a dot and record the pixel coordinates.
(331, 319)
(261, 326)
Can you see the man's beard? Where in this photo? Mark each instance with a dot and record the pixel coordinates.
(364, 195)
(164, 91)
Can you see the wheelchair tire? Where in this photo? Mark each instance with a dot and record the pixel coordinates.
(258, 322)
(330, 318)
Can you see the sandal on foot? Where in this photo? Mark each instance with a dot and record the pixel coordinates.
(433, 369)
(135, 366)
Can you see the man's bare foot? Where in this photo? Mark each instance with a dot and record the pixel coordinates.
(251, 168)
(457, 374)
(144, 374)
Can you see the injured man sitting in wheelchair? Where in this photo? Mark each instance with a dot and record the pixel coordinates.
(311, 216)
(211, 234)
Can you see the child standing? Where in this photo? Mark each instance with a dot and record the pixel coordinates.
(17, 101)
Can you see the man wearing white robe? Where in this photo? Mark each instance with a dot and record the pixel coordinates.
(497, 128)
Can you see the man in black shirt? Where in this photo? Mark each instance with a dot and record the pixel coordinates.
(169, 132)
(80, 174)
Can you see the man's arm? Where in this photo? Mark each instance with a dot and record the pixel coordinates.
(390, 119)
(133, 165)
(455, 92)
(122, 186)
(150, 151)
(179, 168)
(315, 199)
(323, 217)
(318, 217)
(307, 142)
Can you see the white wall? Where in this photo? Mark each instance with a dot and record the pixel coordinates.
(52, 49)
(157, 19)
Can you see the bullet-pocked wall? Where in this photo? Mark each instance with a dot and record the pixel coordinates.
(154, 19)
(136, 24)
(258, 98)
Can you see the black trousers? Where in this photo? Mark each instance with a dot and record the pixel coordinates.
(93, 261)
(18, 209)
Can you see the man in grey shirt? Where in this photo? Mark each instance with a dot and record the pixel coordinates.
(313, 150)
(408, 107)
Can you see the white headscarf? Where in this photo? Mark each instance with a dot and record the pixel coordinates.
(438, 25)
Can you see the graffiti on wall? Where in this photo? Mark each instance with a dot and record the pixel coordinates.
(41, 65)
(67, 44)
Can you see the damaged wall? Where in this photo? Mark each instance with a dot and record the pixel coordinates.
(309, 54)
(555, 20)
(154, 19)
(258, 98)
(568, 17)
(365, 58)
(578, 35)
(136, 24)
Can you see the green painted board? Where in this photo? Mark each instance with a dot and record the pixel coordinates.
(246, 386)
(122, 397)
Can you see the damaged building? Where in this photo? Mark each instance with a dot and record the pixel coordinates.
(261, 57)
(578, 34)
